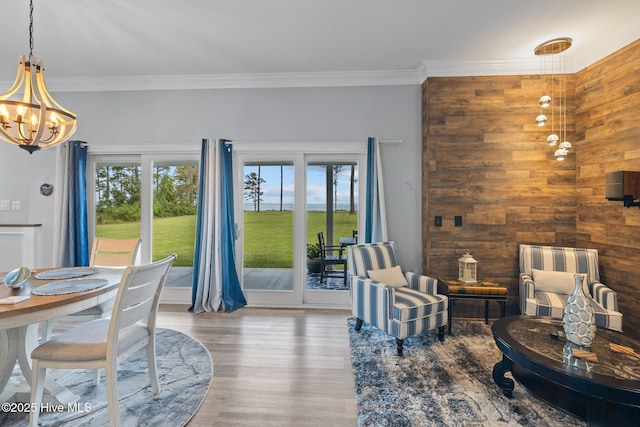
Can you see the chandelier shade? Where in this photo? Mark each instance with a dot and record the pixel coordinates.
(29, 116)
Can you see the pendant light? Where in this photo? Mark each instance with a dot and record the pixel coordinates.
(29, 116)
(555, 49)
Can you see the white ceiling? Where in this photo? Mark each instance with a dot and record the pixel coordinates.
(128, 44)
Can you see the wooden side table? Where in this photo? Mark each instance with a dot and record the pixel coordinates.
(481, 290)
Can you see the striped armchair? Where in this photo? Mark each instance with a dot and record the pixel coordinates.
(398, 308)
(543, 301)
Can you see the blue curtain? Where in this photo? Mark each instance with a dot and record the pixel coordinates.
(75, 244)
(215, 283)
(375, 213)
(232, 296)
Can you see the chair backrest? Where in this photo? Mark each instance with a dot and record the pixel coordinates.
(553, 258)
(108, 252)
(139, 295)
(321, 239)
(371, 256)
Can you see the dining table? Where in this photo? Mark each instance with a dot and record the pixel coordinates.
(53, 293)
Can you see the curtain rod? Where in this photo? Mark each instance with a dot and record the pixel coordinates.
(384, 141)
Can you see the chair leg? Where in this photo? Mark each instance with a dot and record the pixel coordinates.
(47, 327)
(358, 324)
(151, 362)
(111, 371)
(96, 377)
(399, 344)
(37, 389)
(345, 274)
(441, 333)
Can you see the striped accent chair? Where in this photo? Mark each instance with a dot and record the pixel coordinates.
(543, 302)
(399, 309)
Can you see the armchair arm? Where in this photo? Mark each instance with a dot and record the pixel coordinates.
(418, 282)
(329, 250)
(372, 301)
(527, 286)
(604, 296)
(527, 290)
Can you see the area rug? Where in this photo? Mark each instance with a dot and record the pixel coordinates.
(185, 370)
(437, 383)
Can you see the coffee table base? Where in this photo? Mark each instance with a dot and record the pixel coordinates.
(596, 411)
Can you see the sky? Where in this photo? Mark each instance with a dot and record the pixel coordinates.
(316, 181)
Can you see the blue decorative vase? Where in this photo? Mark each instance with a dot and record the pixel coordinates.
(579, 321)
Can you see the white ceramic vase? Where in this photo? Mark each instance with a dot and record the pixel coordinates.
(579, 321)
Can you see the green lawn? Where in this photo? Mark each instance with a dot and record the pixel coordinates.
(268, 235)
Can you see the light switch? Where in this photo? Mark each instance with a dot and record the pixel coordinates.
(16, 205)
(5, 205)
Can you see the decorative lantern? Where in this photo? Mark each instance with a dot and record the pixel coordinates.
(467, 268)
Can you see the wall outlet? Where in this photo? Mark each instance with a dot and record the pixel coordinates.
(16, 205)
(5, 205)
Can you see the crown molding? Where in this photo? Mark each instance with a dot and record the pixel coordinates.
(424, 70)
(234, 81)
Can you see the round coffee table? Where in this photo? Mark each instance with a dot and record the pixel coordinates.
(606, 392)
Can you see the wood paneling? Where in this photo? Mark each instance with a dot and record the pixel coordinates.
(608, 117)
(485, 159)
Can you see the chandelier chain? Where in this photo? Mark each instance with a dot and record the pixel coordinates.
(31, 28)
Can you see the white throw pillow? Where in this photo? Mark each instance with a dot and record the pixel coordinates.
(558, 282)
(389, 276)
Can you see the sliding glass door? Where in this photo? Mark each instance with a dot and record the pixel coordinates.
(288, 198)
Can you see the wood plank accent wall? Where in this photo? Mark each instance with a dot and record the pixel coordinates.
(608, 126)
(484, 159)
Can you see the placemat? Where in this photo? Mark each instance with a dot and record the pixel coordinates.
(70, 286)
(66, 273)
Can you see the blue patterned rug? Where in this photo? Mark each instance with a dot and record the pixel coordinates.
(440, 384)
(185, 370)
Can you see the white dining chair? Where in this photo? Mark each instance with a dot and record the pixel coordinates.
(102, 343)
(105, 252)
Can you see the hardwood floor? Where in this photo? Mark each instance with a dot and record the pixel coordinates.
(272, 367)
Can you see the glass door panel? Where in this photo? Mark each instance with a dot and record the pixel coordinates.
(268, 226)
(117, 200)
(332, 208)
(175, 205)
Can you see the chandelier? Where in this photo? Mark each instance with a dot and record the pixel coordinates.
(29, 116)
(554, 49)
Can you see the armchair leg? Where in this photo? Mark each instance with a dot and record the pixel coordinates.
(358, 325)
(441, 333)
(399, 345)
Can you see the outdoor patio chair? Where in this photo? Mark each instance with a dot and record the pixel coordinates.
(400, 305)
(331, 256)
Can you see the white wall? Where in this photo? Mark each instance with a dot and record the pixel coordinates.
(186, 116)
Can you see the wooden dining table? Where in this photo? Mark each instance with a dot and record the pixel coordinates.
(19, 329)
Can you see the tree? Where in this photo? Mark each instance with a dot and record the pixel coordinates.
(252, 190)
(352, 199)
(336, 173)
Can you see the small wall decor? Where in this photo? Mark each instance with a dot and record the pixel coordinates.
(46, 189)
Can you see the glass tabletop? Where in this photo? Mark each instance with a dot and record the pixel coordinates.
(540, 336)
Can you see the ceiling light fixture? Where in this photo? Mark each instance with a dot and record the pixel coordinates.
(555, 49)
(29, 116)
